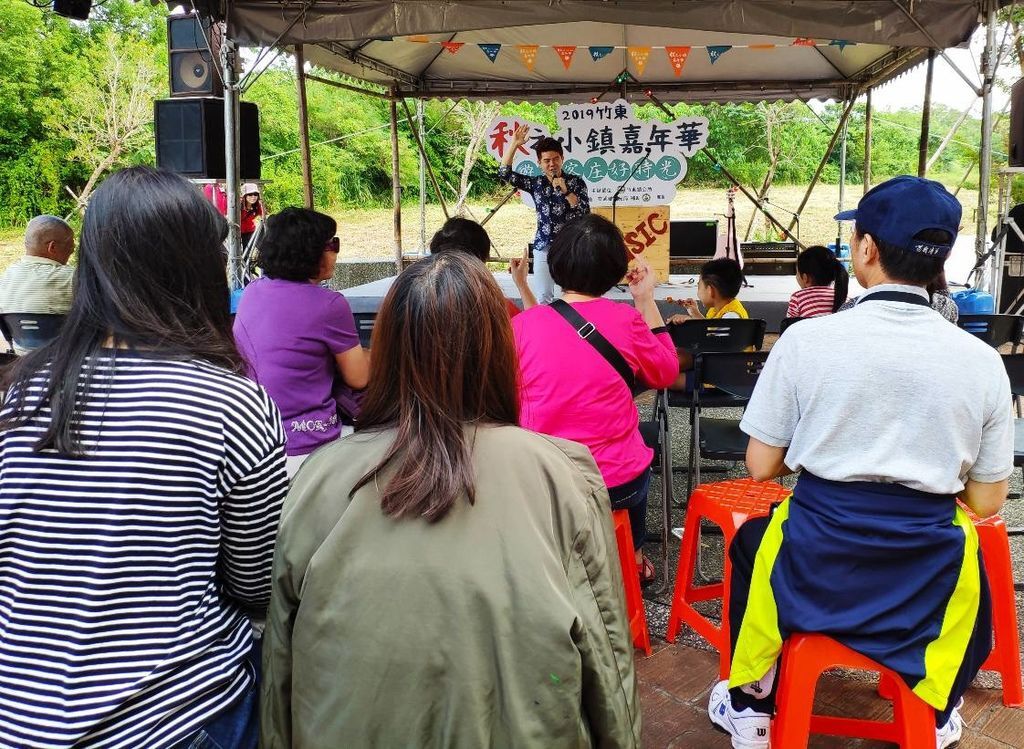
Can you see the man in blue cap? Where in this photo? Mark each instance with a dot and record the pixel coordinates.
(888, 413)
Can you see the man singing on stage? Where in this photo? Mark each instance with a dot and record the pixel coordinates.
(558, 198)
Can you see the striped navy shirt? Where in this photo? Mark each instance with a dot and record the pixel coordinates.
(124, 573)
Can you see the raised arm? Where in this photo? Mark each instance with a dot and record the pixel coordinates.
(505, 171)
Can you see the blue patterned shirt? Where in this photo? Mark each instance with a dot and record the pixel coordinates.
(553, 209)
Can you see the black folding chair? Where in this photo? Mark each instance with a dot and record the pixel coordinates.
(30, 331)
(732, 373)
(364, 326)
(709, 336)
(1014, 364)
(787, 321)
(995, 330)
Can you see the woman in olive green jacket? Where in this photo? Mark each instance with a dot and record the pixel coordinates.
(443, 578)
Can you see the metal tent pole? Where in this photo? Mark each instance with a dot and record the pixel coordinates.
(926, 117)
(423, 180)
(985, 157)
(307, 168)
(842, 186)
(867, 143)
(229, 61)
(396, 184)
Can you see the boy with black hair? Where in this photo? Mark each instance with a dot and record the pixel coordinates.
(719, 284)
(889, 414)
(558, 198)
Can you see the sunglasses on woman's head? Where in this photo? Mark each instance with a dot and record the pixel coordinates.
(333, 245)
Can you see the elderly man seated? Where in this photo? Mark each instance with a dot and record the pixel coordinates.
(40, 282)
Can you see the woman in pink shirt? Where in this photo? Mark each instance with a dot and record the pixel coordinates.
(568, 389)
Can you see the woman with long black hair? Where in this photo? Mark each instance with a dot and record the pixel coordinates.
(141, 482)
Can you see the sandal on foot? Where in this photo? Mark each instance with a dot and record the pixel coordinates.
(647, 572)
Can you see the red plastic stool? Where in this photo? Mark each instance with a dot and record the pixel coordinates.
(631, 581)
(804, 658)
(728, 504)
(1005, 655)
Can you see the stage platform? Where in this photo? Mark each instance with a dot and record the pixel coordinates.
(765, 297)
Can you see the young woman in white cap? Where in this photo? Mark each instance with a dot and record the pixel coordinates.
(252, 209)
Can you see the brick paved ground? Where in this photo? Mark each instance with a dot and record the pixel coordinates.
(676, 679)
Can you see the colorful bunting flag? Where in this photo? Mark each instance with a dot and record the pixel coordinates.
(528, 55)
(452, 47)
(419, 38)
(717, 50)
(639, 57)
(803, 41)
(842, 44)
(565, 53)
(491, 50)
(760, 46)
(677, 58)
(596, 53)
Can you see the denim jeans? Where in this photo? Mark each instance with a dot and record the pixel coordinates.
(632, 496)
(237, 726)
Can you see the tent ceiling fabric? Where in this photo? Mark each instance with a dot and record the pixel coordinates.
(350, 37)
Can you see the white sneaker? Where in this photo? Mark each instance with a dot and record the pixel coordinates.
(749, 730)
(948, 736)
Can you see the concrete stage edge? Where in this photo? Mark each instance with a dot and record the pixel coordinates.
(766, 297)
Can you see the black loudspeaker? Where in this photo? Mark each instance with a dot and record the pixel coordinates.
(193, 52)
(78, 9)
(190, 138)
(1016, 149)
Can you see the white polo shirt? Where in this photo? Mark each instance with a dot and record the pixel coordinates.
(887, 391)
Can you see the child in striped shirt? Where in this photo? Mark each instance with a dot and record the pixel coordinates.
(823, 284)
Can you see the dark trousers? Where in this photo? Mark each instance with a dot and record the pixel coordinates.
(742, 552)
(632, 496)
(238, 725)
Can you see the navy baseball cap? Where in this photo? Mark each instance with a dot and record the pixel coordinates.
(899, 208)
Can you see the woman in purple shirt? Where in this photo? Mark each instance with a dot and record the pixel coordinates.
(299, 338)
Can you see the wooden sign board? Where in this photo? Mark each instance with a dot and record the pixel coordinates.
(645, 229)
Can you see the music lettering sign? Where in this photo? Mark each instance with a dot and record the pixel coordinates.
(604, 143)
(645, 229)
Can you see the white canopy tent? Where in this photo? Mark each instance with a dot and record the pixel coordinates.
(739, 50)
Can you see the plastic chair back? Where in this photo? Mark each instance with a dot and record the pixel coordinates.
(734, 372)
(364, 326)
(995, 330)
(30, 331)
(732, 334)
(787, 321)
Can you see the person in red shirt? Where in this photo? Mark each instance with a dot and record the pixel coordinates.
(252, 210)
(467, 235)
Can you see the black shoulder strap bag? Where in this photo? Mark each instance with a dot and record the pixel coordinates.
(592, 335)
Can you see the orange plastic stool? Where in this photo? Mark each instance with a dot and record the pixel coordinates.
(804, 658)
(728, 504)
(631, 581)
(1005, 655)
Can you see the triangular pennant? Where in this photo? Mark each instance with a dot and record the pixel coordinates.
(803, 41)
(760, 46)
(528, 54)
(596, 53)
(565, 53)
(842, 44)
(491, 50)
(677, 58)
(418, 38)
(639, 57)
(717, 50)
(452, 47)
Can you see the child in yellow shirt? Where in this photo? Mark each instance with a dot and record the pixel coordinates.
(717, 289)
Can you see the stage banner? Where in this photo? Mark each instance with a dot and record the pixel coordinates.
(605, 143)
(645, 229)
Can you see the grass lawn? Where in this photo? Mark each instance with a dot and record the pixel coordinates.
(368, 232)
